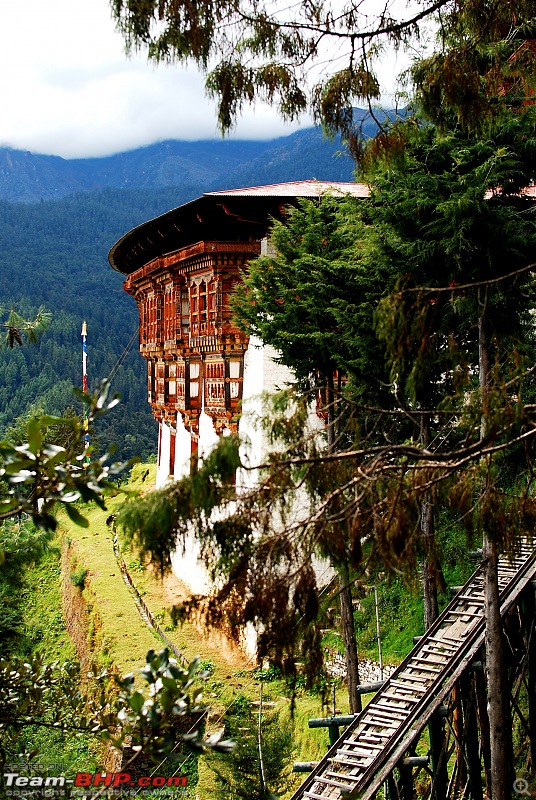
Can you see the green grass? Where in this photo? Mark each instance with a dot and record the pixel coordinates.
(118, 636)
(44, 632)
(44, 627)
(123, 638)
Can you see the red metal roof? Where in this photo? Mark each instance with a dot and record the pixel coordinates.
(229, 215)
(309, 188)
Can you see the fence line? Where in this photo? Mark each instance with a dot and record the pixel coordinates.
(141, 605)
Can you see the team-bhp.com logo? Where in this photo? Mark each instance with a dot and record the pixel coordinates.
(17, 783)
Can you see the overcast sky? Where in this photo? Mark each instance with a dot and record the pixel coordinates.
(67, 88)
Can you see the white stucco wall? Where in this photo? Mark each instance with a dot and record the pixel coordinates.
(162, 470)
(183, 450)
(262, 375)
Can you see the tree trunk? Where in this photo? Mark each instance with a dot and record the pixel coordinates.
(350, 647)
(498, 699)
(345, 589)
(429, 567)
(497, 688)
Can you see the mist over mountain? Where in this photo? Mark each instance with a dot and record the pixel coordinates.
(206, 165)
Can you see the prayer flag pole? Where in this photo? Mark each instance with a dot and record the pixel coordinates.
(84, 389)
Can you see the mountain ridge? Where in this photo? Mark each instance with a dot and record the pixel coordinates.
(208, 164)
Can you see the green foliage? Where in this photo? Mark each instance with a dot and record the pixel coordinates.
(40, 473)
(452, 214)
(296, 300)
(78, 577)
(21, 545)
(16, 327)
(480, 68)
(65, 243)
(401, 618)
(238, 775)
(43, 696)
(251, 51)
(446, 233)
(156, 522)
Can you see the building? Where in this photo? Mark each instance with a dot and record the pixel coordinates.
(203, 374)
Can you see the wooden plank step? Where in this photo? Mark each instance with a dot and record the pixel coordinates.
(457, 642)
(440, 640)
(407, 687)
(384, 711)
(352, 762)
(411, 676)
(382, 722)
(385, 722)
(475, 599)
(371, 741)
(373, 717)
(429, 659)
(423, 667)
(461, 613)
(314, 796)
(401, 698)
(357, 766)
(360, 754)
(337, 784)
(441, 647)
(349, 776)
(359, 748)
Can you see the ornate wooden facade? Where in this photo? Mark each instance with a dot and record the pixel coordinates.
(194, 353)
(181, 269)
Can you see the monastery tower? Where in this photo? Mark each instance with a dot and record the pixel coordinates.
(181, 267)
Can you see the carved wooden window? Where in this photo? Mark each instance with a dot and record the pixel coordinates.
(199, 307)
(184, 312)
(160, 382)
(150, 380)
(215, 384)
(180, 383)
(170, 318)
(171, 382)
(212, 306)
(154, 318)
(195, 381)
(235, 378)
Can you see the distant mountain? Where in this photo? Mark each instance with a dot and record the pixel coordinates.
(207, 165)
(59, 218)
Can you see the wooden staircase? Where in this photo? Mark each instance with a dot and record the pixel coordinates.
(378, 738)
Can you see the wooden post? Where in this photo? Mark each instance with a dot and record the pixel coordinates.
(392, 788)
(483, 721)
(405, 783)
(528, 621)
(457, 727)
(470, 739)
(438, 759)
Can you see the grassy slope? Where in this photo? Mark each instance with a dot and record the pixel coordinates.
(125, 639)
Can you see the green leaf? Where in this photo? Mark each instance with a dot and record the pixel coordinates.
(35, 436)
(136, 701)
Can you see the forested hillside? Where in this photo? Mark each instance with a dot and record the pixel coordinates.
(54, 254)
(205, 165)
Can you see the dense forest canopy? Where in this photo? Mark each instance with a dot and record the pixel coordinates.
(54, 254)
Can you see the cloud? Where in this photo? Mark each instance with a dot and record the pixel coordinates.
(68, 89)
